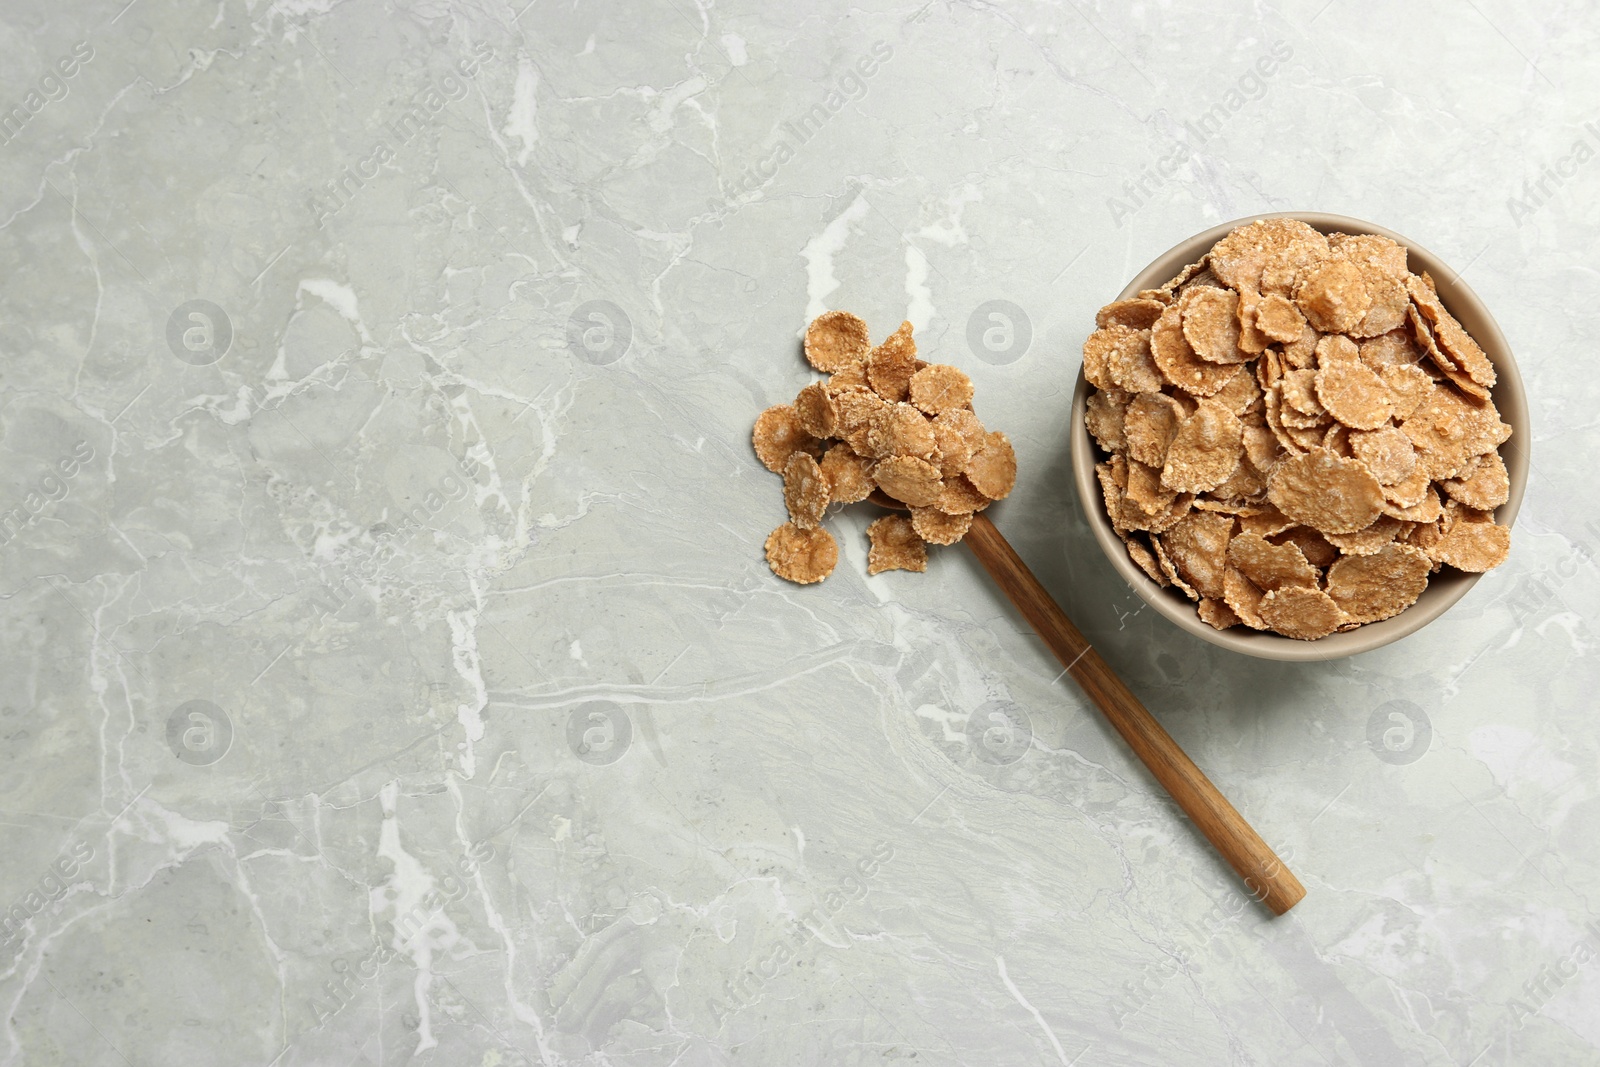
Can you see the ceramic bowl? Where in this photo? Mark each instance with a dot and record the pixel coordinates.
(1444, 588)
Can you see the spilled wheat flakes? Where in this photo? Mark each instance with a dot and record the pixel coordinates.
(885, 420)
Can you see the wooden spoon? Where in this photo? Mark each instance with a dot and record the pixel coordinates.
(1264, 874)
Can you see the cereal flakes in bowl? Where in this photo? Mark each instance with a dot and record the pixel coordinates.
(1299, 436)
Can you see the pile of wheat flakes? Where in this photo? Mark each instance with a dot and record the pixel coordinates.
(1297, 432)
(895, 424)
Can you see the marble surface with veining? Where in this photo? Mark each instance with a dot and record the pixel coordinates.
(391, 672)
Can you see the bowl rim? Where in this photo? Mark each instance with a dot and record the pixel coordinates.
(1444, 590)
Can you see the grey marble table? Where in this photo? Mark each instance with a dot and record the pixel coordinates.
(391, 671)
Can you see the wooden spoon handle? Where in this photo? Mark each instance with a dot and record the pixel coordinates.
(1263, 873)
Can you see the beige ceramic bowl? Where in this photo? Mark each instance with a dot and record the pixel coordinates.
(1444, 588)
